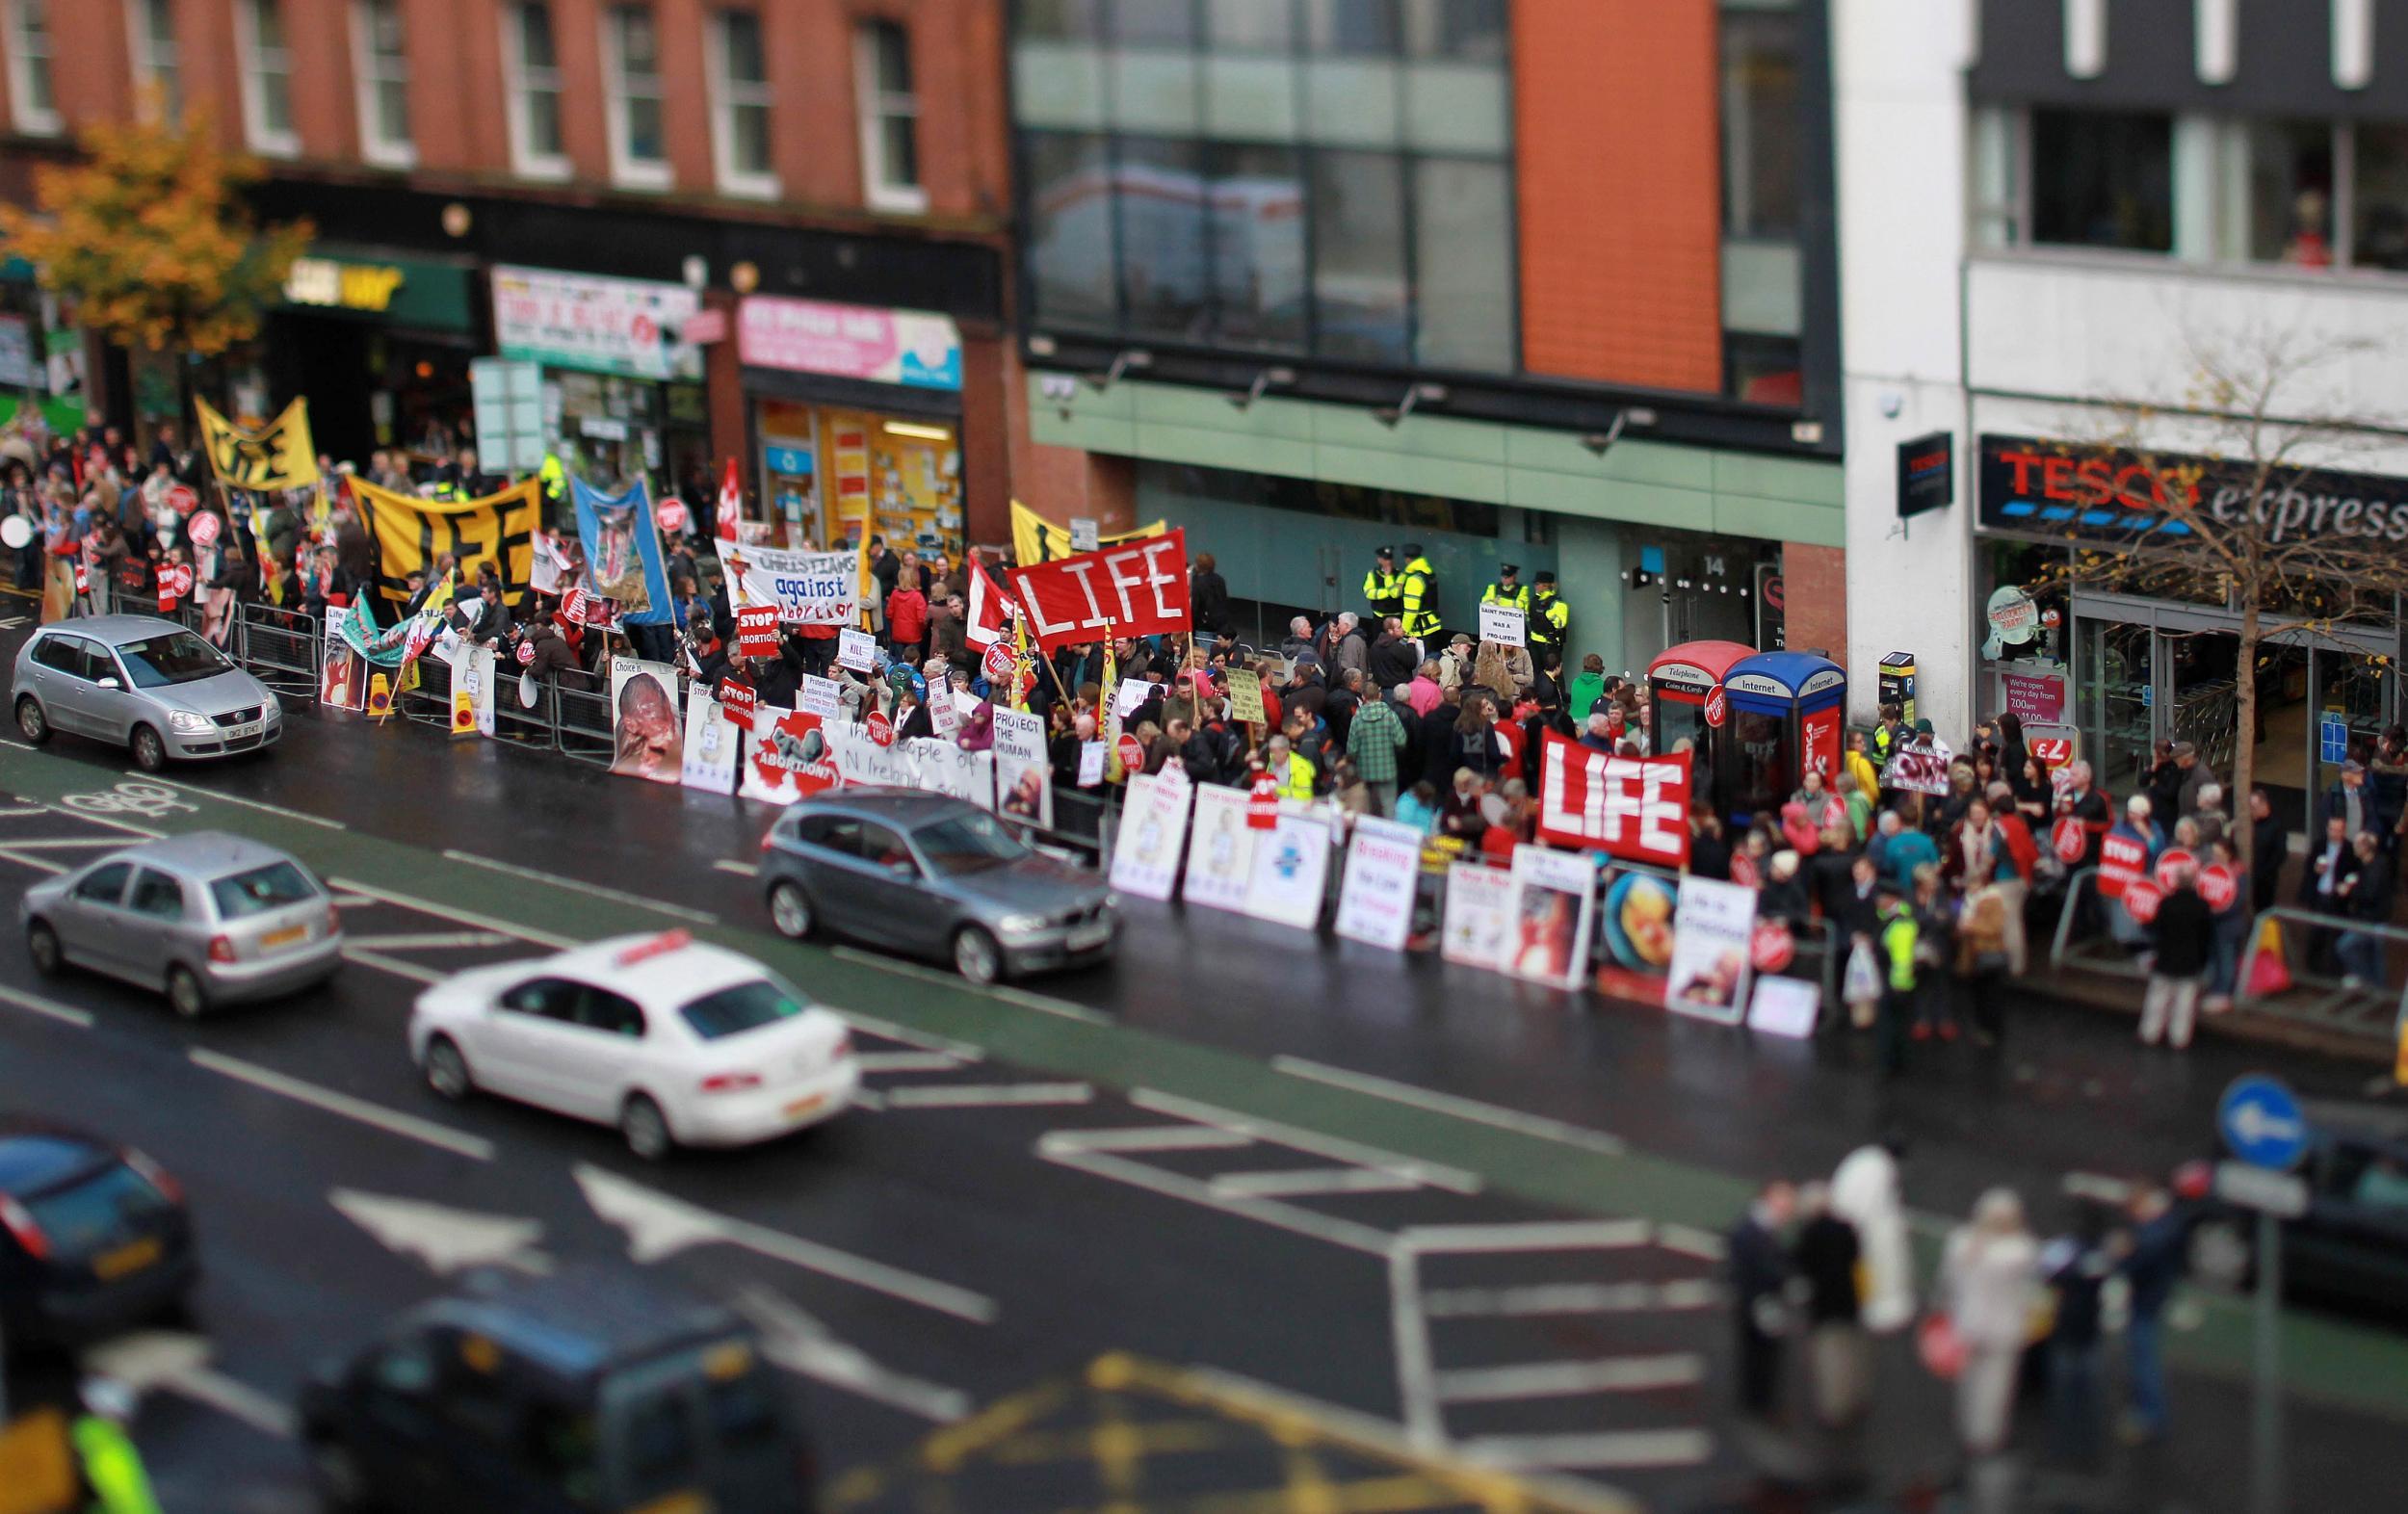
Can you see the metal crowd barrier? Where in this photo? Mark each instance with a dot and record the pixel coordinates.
(2317, 999)
(2098, 950)
(280, 647)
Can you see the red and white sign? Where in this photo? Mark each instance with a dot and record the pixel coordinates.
(1631, 807)
(669, 514)
(175, 581)
(731, 504)
(989, 607)
(204, 528)
(2170, 862)
(1717, 707)
(914, 348)
(2071, 838)
(2141, 899)
(526, 654)
(1137, 588)
(2123, 860)
(2053, 751)
(182, 499)
(705, 326)
(1819, 732)
(882, 729)
(756, 631)
(1262, 804)
(1131, 753)
(738, 699)
(2217, 887)
(1771, 947)
(999, 663)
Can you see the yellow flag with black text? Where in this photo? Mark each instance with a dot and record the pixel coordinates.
(409, 535)
(1035, 539)
(279, 456)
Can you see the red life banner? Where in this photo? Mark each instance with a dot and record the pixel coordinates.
(1635, 808)
(2122, 858)
(739, 699)
(756, 631)
(1135, 588)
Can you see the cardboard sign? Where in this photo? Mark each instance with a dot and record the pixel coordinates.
(204, 528)
(2170, 862)
(944, 714)
(2123, 858)
(999, 663)
(820, 697)
(1786, 1007)
(857, 649)
(1024, 772)
(1221, 853)
(2071, 838)
(1717, 707)
(1479, 921)
(1553, 894)
(756, 631)
(1920, 766)
(1134, 588)
(788, 756)
(1262, 804)
(1091, 764)
(1153, 827)
(1245, 696)
(182, 499)
(646, 742)
(1383, 869)
(2219, 887)
(1290, 873)
(1631, 807)
(1505, 624)
(1711, 924)
(712, 742)
(738, 699)
(882, 729)
(2141, 899)
(1132, 752)
(1772, 947)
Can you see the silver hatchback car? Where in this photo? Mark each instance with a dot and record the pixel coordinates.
(209, 918)
(142, 683)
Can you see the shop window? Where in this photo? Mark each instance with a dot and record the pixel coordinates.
(890, 117)
(537, 149)
(1070, 230)
(1163, 247)
(158, 73)
(1463, 265)
(1258, 245)
(32, 99)
(1359, 279)
(741, 92)
(2278, 192)
(267, 78)
(2102, 178)
(638, 151)
(383, 69)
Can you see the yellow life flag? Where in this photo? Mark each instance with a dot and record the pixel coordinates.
(279, 456)
(1035, 539)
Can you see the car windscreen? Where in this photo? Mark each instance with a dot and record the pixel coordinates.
(98, 1210)
(175, 657)
(968, 844)
(746, 1007)
(261, 890)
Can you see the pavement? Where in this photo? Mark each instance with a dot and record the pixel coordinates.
(1437, 1227)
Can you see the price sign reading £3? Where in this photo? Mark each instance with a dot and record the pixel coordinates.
(1635, 808)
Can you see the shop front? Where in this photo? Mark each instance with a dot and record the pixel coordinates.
(2120, 671)
(381, 343)
(622, 381)
(42, 358)
(856, 414)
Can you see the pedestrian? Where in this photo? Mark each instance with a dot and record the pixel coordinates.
(2178, 969)
(2348, 800)
(1897, 960)
(907, 617)
(1376, 740)
(1828, 1255)
(1935, 934)
(2321, 887)
(1982, 962)
(1988, 1284)
(2369, 902)
(2231, 929)
(1760, 1278)
(2076, 1266)
(2151, 1264)
(2269, 851)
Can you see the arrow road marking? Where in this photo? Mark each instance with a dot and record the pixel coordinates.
(446, 1240)
(794, 1340)
(659, 1226)
(149, 1360)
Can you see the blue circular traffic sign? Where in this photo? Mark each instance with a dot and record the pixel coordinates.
(2261, 1121)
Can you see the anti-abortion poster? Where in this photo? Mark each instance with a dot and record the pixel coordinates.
(1290, 872)
(808, 587)
(712, 743)
(643, 722)
(1552, 895)
(788, 757)
(1479, 921)
(1711, 926)
(939, 766)
(1145, 857)
(1220, 857)
(472, 690)
(1024, 775)
(1383, 871)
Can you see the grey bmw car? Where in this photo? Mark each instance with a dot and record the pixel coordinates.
(142, 683)
(933, 876)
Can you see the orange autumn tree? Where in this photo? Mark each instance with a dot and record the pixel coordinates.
(148, 236)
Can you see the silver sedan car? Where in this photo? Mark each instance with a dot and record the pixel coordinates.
(934, 877)
(209, 918)
(142, 683)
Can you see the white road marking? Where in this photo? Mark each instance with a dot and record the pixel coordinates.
(1424, 1420)
(906, 1061)
(260, 805)
(150, 1361)
(38, 864)
(427, 940)
(42, 842)
(1569, 1379)
(35, 809)
(1689, 1241)
(392, 1121)
(1449, 1103)
(792, 1339)
(1536, 1299)
(925, 1040)
(390, 964)
(1046, 1004)
(445, 1239)
(1151, 1137)
(1055, 1147)
(1554, 1234)
(578, 886)
(1009, 995)
(127, 827)
(1436, 1174)
(1624, 1449)
(982, 1096)
(743, 870)
(65, 1014)
(1306, 1182)
(658, 1226)
(464, 917)
(2098, 1187)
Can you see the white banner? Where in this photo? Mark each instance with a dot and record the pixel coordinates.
(818, 588)
(1290, 872)
(1221, 861)
(1479, 916)
(1024, 774)
(1383, 867)
(1153, 823)
(861, 760)
(1504, 624)
(712, 743)
(939, 766)
(1711, 926)
(1552, 895)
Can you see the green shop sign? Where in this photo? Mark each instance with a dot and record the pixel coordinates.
(404, 291)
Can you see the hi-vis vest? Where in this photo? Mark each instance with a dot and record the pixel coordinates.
(1383, 592)
(1518, 597)
(1417, 598)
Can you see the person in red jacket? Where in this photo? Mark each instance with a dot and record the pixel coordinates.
(907, 617)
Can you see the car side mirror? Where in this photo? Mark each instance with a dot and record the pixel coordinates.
(111, 683)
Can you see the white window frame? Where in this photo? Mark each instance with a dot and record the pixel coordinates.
(145, 49)
(725, 105)
(283, 144)
(627, 170)
(28, 118)
(525, 161)
(872, 109)
(369, 74)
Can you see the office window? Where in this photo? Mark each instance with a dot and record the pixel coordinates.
(2278, 192)
(2379, 238)
(150, 30)
(742, 93)
(1251, 26)
(1257, 199)
(1461, 31)
(267, 77)
(1762, 170)
(1162, 233)
(890, 117)
(1153, 23)
(2103, 179)
(1059, 20)
(632, 61)
(32, 100)
(1072, 280)
(534, 57)
(385, 135)
(1359, 278)
(1463, 265)
(1351, 27)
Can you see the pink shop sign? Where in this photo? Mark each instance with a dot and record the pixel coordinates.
(814, 336)
(2034, 697)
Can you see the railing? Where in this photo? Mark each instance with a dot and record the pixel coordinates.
(2315, 998)
(280, 647)
(2097, 951)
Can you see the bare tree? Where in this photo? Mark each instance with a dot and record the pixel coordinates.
(2257, 510)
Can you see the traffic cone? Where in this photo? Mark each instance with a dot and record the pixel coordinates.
(2269, 973)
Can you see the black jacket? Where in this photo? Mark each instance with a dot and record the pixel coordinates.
(1710, 856)
(1208, 598)
(1391, 661)
(1436, 735)
(2345, 868)
(2370, 895)
(2184, 925)
(2269, 850)
(1826, 1257)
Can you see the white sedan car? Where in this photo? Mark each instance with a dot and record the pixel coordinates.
(673, 1041)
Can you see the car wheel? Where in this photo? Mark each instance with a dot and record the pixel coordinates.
(31, 722)
(41, 944)
(791, 911)
(2220, 1255)
(185, 994)
(337, 1475)
(150, 753)
(447, 1070)
(645, 1128)
(976, 956)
